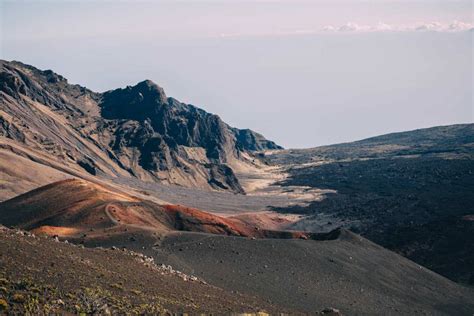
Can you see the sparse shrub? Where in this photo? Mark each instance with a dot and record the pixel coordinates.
(31, 306)
(24, 284)
(18, 298)
(136, 292)
(3, 305)
(35, 290)
(116, 286)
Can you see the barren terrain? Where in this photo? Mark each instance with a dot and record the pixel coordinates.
(297, 271)
(409, 192)
(39, 275)
(129, 201)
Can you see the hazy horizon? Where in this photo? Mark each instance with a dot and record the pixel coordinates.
(303, 73)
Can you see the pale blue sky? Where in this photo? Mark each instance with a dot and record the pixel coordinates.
(303, 73)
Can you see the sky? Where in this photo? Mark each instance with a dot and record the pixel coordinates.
(301, 72)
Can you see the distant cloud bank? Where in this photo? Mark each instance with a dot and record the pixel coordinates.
(455, 26)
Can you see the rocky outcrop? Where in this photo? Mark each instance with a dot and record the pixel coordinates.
(135, 131)
(250, 140)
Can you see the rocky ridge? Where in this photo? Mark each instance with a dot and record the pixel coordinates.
(135, 131)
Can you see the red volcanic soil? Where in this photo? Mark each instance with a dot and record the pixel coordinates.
(191, 219)
(77, 208)
(68, 206)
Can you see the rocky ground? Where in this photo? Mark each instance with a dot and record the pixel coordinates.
(348, 273)
(40, 275)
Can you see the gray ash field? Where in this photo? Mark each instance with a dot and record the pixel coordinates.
(348, 273)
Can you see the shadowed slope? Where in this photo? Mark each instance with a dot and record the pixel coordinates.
(410, 192)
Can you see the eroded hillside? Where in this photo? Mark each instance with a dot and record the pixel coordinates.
(136, 132)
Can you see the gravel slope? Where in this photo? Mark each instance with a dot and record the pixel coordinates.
(350, 273)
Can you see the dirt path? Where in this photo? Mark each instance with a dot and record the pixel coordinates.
(109, 209)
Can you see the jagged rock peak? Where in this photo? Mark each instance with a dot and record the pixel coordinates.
(133, 102)
(148, 87)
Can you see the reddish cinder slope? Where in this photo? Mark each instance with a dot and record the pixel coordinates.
(191, 219)
(76, 208)
(68, 203)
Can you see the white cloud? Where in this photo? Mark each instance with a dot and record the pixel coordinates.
(460, 26)
(351, 27)
(383, 27)
(455, 26)
(432, 26)
(329, 28)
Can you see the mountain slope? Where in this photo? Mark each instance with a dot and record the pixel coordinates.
(60, 278)
(409, 192)
(132, 132)
(285, 270)
(439, 140)
(349, 273)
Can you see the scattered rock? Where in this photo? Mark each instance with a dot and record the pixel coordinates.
(329, 311)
